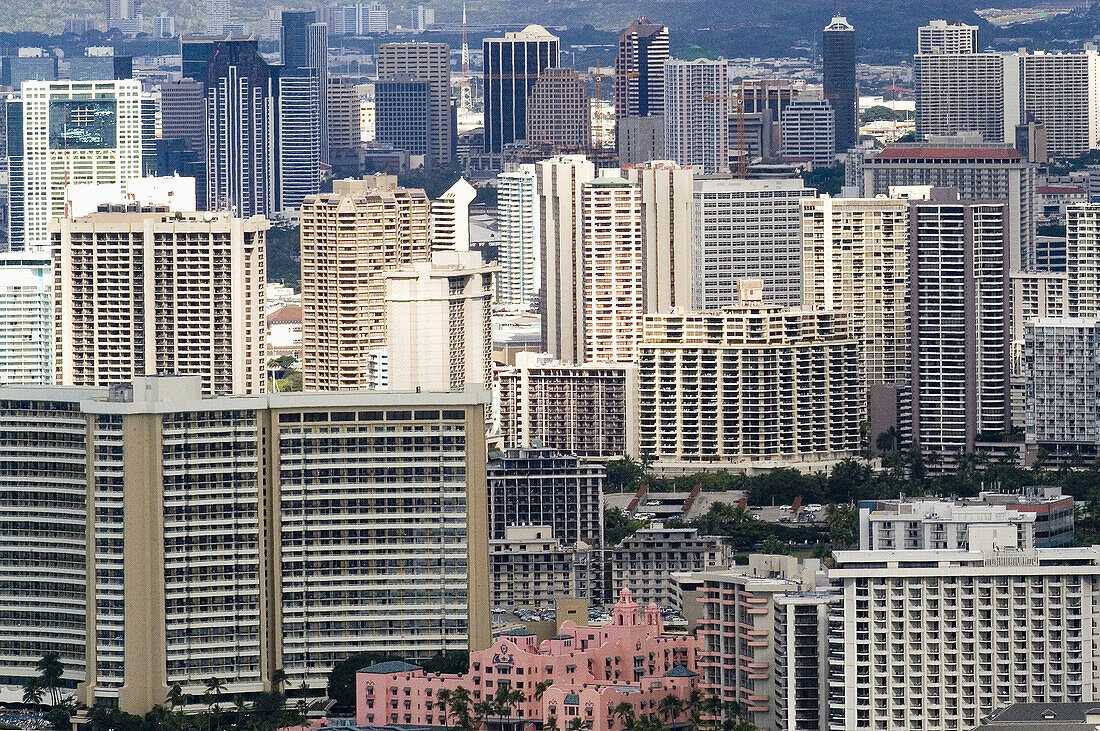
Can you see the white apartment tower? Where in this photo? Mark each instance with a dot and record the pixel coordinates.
(350, 238)
(946, 100)
(1062, 90)
(666, 190)
(613, 280)
(73, 132)
(449, 219)
(518, 230)
(1083, 260)
(438, 324)
(26, 318)
(856, 258)
(1062, 357)
(747, 229)
(156, 292)
(697, 104)
(959, 322)
(559, 182)
(941, 36)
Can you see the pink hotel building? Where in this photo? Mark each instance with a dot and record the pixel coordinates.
(590, 670)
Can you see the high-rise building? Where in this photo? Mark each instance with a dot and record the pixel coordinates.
(439, 333)
(855, 257)
(155, 292)
(838, 56)
(240, 129)
(640, 139)
(431, 63)
(746, 229)
(640, 70)
(102, 65)
(809, 131)
(344, 131)
(512, 65)
(980, 172)
(280, 587)
(941, 36)
(403, 115)
(1083, 260)
(947, 104)
(557, 111)
(1062, 90)
(667, 197)
(959, 322)
(550, 487)
(518, 233)
(449, 218)
(589, 410)
(26, 318)
(164, 26)
(63, 133)
(1037, 294)
(301, 108)
(350, 238)
(1062, 357)
(613, 271)
(750, 384)
(696, 114)
(559, 183)
(1012, 625)
(125, 15)
(217, 16)
(31, 64)
(179, 120)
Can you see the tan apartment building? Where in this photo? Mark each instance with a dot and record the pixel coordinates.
(147, 291)
(350, 239)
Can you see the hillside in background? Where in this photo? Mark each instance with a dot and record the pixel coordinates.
(725, 27)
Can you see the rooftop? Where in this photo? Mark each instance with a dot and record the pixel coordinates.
(920, 152)
(389, 667)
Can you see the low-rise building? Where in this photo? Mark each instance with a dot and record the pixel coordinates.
(647, 559)
(579, 675)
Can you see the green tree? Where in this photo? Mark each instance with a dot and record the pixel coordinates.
(32, 692)
(50, 671)
(624, 475)
(617, 526)
(671, 707)
(775, 546)
(175, 696)
(215, 686)
(624, 712)
(843, 522)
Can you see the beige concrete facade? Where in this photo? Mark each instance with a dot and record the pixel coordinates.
(666, 190)
(153, 292)
(350, 238)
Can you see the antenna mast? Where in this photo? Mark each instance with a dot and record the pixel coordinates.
(465, 97)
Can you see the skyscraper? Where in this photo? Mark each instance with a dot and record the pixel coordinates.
(63, 133)
(350, 238)
(429, 63)
(946, 100)
(1061, 91)
(240, 129)
(697, 114)
(561, 241)
(613, 270)
(26, 318)
(302, 108)
(183, 125)
(402, 114)
(838, 44)
(518, 231)
(941, 36)
(558, 112)
(343, 115)
(449, 218)
(512, 65)
(809, 131)
(1083, 260)
(640, 70)
(217, 16)
(141, 293)
(959, 322)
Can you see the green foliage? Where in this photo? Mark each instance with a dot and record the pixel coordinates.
(624, 475)
(617, 526)
(882, 113)
(843, 523)
(1063, 167)
(826, 180)
(775, 546)
(284, 264)
(434, 181)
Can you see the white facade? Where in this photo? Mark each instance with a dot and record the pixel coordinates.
(747, 229)
(438, 326)
(646, 560)
(809, 131)
(145, 293)
(947, 524)
(939, 639)
(174, 193)
(697, 104)
(449, 218)
(667, 196)
(613, 283)
(1083, 260)
(855, 257)
(941, 36)
(1062, 357)
(947, 102)
(1062, 90)
(75, 133)
(26, 318)
(518, 231)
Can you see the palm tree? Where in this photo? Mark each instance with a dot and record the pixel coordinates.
(277, 679)
(625, 713)
(540, 688)
(575, 724)
(175, 696)
(32, 692)
(670, 707)
(215, 686)
(649, 722)
(887, 442)
(50, 671)
(551, 724)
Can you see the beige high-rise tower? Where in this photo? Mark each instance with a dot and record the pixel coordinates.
(350, 239)
(154, 292)
(430, 62)
(666, 190)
